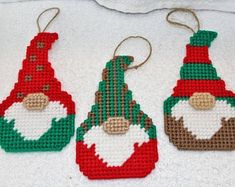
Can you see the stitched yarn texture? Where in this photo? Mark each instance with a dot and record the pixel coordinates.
(200, 114)
(37, 115)
(117, 140)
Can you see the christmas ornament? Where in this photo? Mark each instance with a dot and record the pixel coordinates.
(200, 114)
(37, 115)
(117, 140)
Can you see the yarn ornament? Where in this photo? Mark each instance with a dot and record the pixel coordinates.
(200, 114)
(117, 140)
(37, 115)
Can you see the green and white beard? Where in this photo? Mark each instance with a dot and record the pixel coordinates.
(32, 124)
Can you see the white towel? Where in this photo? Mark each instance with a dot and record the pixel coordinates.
(143, 6)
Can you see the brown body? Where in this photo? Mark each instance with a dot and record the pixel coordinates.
(224, 139)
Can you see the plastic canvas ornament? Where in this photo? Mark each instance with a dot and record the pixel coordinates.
(117, 140)
(200, 114)
(37, 115)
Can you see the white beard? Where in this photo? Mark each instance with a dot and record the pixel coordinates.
(32, 124)
(203, 123)
(115, 149)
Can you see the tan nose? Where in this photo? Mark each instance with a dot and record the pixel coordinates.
(202, 101)
(116, 125)
(35, 101)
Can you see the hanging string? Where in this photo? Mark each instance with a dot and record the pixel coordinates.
(134, 37)
(49, 9)
(181, 24)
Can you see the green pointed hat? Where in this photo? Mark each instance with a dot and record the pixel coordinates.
(113, 99)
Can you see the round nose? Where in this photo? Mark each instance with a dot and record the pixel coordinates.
(116, 125)
(202, 101)
(35, 101)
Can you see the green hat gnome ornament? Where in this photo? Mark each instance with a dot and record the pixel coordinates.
(37, 115)
(117, 140)
(200, 114)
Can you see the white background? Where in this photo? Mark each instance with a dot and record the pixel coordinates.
(88, 34)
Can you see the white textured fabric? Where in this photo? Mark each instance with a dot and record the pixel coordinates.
(143, 6)
(32, 124)
(115, 149)
(88, 35)
(203, 123)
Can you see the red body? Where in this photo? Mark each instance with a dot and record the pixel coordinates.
(140, 164)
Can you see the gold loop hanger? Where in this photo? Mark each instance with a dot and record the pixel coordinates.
(134, 37)
(181, 24)
(49, 9)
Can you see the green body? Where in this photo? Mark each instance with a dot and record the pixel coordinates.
(54, 139)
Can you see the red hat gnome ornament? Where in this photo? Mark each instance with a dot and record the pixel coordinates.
(37, 115)
(117, 140)
(200, 114)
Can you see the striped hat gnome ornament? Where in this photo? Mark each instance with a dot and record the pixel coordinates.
(117, 140)
(37, 115)
(200, 114)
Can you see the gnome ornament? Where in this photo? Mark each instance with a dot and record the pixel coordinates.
(117, 140)
(37, 115)
(200, 114)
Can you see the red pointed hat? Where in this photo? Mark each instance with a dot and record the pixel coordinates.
(37, 75)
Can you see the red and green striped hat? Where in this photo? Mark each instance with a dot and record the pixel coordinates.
(198, 74)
